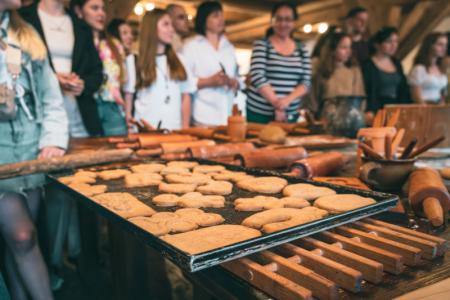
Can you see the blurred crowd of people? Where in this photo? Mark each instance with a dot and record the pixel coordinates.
(66, 73)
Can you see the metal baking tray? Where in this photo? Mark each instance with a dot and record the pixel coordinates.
(211, 258)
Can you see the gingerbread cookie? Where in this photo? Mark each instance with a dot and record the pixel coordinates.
(191, 178)
(174, 170)
(166, 200)
(113, 174)
(147, 168)
(263, 202)
(210, 238)
(155, 228)
(182, 220)
(183, 164)
(142, 179)
(294, 202)
(205, 169)
(281, 218)
(307, 191)
(264, 185)
(76, 179)
(229, 175)
(197, 200)
(216, 188)
(124, 204)
(200, 217)
(88, 190)
(176, 188)
(340, 203)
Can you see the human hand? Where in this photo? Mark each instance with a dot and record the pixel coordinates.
(51, 151)
(283, 103)
(76, 84)
(219, 79)
(280, 115)
(233, 84)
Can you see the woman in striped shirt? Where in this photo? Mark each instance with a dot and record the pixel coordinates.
(280, 71)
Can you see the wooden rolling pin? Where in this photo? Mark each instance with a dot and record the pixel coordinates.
(201, 132)
(428, 193)
(271, 158)
(319, 165)
(69, 161)
(207, 152)
(180, 147)
(153, 141)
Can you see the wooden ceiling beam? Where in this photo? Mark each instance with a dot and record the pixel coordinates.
(431, 17)
(256, 27)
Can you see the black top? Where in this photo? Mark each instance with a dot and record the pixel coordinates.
(85, 62)
(384, 88)
(388, 85)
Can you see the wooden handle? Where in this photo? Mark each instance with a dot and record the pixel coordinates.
(148, 152)
(64, 162)
(369, 151)
(427, 146)
(397, 140)
(409, 149)
(394, 118)
(387, 147)
(433, 211)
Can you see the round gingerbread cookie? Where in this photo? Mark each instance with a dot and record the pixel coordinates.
(264, 185)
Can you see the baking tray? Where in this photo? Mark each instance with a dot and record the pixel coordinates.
(211, 258)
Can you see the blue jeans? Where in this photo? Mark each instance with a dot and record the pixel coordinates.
(112, 118)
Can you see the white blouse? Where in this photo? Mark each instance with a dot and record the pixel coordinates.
(161, 101)
(211, 105)
(130, 85)
(60, 38)
(431, 85)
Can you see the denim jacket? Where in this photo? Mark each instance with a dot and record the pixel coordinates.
(48, 104)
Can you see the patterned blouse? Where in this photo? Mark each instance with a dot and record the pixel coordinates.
(110, 90)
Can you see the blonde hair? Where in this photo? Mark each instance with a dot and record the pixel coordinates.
(26, 37)
(148, 41)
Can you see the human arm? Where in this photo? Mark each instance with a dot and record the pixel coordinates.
(415, 80)
(55, 125)
(257, 72)
(185, 110)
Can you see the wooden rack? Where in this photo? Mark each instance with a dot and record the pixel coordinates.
(342, 258)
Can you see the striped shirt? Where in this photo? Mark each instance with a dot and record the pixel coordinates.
(283, 73)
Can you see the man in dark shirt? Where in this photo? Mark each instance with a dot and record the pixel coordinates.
(355, 24)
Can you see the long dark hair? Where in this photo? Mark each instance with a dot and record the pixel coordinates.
(203, 11)
(380, 37)
(323, 39)
(113, 27)
(327, 64)
(104, 35)
(275, 9)
(423, 57)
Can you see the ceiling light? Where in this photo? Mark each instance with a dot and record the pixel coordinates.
(307, 28)
(149, 6)
(323, 27)
(138, 9)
